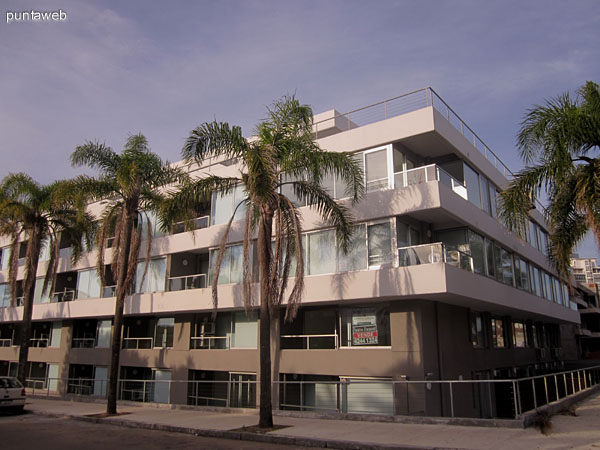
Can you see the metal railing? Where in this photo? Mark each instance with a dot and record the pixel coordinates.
(502, 398)
(66, 295)
(424, 174)
(109, 291)
(197, 224)
(6, 342)
(138, 343)
(186, 282)
(83, 343)
(210, 342)
(39, 342)
(406, 103)
(436, 252)
(303, 341)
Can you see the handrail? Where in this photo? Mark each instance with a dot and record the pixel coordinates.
(36, 342)
(137, 341)
(66, 295)
(83, 342)
(6, 342)
(185, 285)
(198, 223)
(210, 339)
(109, 291)
(309, 336)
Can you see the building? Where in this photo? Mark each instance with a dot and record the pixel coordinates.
(586, 271)
(435, 288)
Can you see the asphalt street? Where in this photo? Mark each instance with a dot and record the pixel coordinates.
(30, 431)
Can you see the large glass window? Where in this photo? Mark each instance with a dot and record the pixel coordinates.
(224, 205)
(88, 284)
(321, 252)
(536, 286)
(519, 335)
(557, 291)
(155, 277)
(521, 274)
(376, 169)
(365, 327)
(477, 252)
(548, 292)
(379, 244)
(498, 333)
(163, 335)
(504, 265)
(490, 260)
(477, 330)
(4, 258)
(244, 330)
(231, 267)
(472, 182)
(144, 218)
(493, 199)
(356, 258)
(485, 195)
(38, 296)
(4, 295)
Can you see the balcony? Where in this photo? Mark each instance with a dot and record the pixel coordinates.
(66, 295)
(196, 224)
(183, 283)
(310, 341)
(428, 173)
(434, 253)
(138, 343)
(210, 342)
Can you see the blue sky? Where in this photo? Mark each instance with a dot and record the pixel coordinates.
(114, 67)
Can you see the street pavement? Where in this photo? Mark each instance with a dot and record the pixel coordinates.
(568, 432)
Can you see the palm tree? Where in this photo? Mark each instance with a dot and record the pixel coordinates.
(43, 214)
(559, 142)
(129, 185)
(282, 157)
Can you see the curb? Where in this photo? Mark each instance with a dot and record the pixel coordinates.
(241, 435)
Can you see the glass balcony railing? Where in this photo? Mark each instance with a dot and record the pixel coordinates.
(196, 224)
(66, 295)
(425, 174)
(197, 281)
(434, 253)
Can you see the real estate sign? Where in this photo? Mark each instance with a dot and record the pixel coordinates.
(364, 327)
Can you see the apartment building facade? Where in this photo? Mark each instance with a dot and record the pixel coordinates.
(434, 288)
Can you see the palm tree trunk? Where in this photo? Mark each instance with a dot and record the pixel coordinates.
(31, 264)
(264, 261)
(115, 345)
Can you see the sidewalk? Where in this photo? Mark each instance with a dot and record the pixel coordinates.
(581, 432)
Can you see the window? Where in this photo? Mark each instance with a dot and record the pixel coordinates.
(365, 327)
(321, 251)
(163, 334)
(536, 286)
(224, 205)
(521, 274)
(472, 182)
(497, 333)
(493, 196)
(557, 291)
(38, 296)
(143, 219)
(548, 293)
(504, 265)
(477, 252)
(477, 330)
(376, 169)
(356, 258)
(485, 195)
(379, 244)
(4, 295)
(490, 260)
(519, 335)
(231, 267)
(88, 284)
(155, 277)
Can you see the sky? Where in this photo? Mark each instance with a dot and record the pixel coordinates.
(114, 68)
